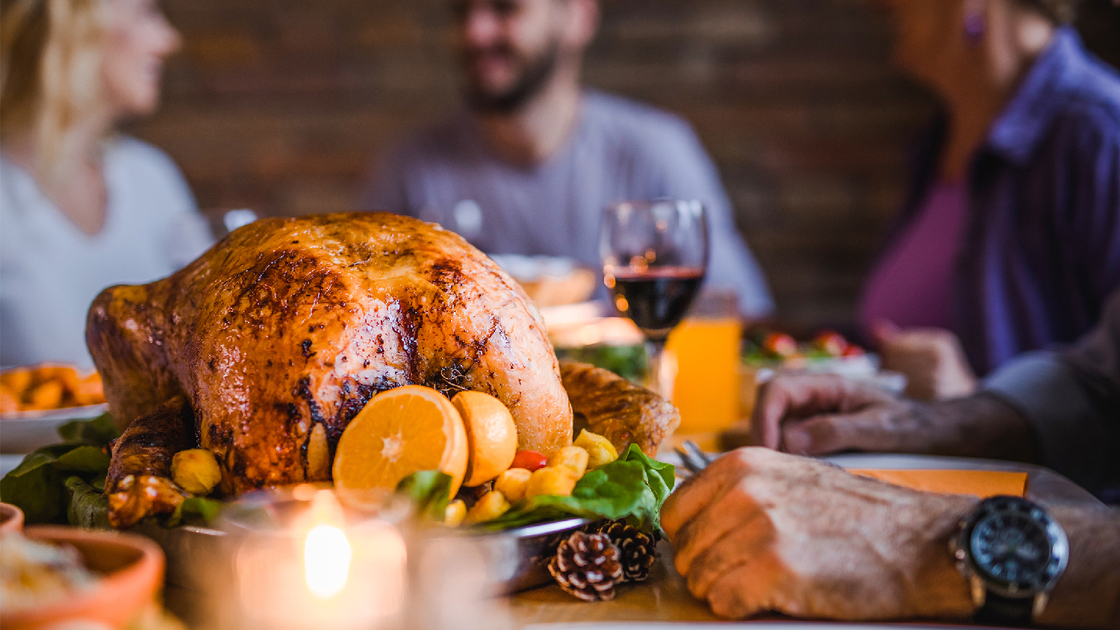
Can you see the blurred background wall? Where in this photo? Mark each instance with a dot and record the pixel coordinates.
(277, 105)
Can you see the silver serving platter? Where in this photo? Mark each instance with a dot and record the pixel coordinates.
(535, 545)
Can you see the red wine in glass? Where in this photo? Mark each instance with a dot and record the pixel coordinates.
(657, 298)
(654, 254)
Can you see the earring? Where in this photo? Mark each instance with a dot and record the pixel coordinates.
(974, 27)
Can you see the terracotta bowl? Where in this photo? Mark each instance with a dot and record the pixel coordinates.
(11, 518)
(131, 572)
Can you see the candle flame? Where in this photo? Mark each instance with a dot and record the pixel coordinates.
(326, 559)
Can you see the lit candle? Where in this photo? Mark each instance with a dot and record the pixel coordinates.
(326, 550)
(308, 566)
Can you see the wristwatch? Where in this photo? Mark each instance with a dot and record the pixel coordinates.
(1012, 553)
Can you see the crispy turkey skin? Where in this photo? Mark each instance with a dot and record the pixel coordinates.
(617, 409)
(291, 323)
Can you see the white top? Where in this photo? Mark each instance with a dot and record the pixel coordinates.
(50, 271)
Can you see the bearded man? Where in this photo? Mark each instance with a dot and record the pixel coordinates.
(531, 161)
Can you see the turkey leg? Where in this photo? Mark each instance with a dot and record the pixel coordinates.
(139, 480)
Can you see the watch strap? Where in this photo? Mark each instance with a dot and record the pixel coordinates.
(1000, 610)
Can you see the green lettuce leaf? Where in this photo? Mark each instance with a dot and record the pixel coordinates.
(629, 362)
(429, 491)
(96, 432)
(41, 457)
(194, 511)
(91, 460)
(633, 487)
(88, 506)
(41, 485)
(37, 488)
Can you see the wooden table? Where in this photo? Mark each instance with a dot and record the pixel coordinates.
(664, 597)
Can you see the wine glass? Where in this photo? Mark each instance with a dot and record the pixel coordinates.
(654, 257)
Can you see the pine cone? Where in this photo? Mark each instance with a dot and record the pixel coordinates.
(552, 542)
(587, 566)
(639, 549)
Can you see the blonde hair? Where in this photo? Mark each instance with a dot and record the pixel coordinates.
(50, 75)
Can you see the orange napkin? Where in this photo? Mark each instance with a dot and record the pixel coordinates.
(980, 483)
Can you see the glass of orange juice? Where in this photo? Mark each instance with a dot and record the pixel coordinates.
(705, 349)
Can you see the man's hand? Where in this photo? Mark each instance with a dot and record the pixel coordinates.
(762, 531)
(932, 360)
(819, 414)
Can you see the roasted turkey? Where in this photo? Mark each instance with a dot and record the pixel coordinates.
(263, 350)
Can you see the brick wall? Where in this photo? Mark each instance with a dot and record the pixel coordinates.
(276, 105)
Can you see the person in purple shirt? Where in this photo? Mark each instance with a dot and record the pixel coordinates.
(1010, 236)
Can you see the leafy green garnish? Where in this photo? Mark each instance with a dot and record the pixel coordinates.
(194, 511)
(84, 459)
(429, 491)
(96, 432)
(88, 506)
(65, 483)
(633, 487)
(52, 484)
(37, 488)
(629, 362)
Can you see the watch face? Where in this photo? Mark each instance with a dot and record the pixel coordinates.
(1015, 545)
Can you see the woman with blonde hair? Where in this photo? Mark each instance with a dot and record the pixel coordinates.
(81, 207)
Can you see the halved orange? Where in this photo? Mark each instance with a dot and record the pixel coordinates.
(491, 434)
(399, 432)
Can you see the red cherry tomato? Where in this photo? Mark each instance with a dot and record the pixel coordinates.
(831, 342)
(529, 460)
(779, 345)
(853, 351)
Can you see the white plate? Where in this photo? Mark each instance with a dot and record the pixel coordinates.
(8, 463)
(87, 411)
(25, 432)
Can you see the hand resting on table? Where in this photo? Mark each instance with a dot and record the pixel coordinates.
(762, 531)
(820, 414)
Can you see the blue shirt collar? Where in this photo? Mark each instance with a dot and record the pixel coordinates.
(1039, 98)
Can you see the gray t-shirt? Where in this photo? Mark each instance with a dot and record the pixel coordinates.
(620, 150)
(1072, 399)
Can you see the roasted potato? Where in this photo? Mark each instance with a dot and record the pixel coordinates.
(9, 402)
(48, 395)
(47, 386)
(513, 483)
(573, 458)
(454, 513)
(599, 449)
(492, 505)
(551, 480)
(196, 471)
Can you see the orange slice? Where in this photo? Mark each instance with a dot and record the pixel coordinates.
(399, 432)
(491, 434)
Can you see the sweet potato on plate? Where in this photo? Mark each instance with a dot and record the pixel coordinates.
(48, 386)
